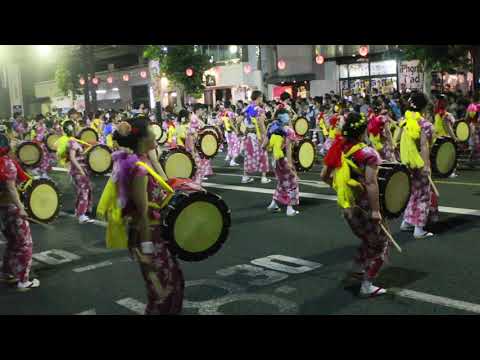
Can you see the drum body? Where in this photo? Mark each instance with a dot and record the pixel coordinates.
(99, 159)
(158, 131)
(178, 163)
(443, 157)
(394, 186)
(41, 200)
(163, 138)
(217, 130)
(462, 131)
(88, 135)
(304, 155)
(196, 224)
(207, 143)
(301, 126)
(29, 154)
(50, 142)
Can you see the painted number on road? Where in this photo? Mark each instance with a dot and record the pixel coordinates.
(303, 265)
(254, 272)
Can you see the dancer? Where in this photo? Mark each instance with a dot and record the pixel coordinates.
(195, 124)
(358, 196)
(233, 142)
(280, 137)
(39, 134)
(380, 135)
(256, 157)
(423, 203)
(17, 259)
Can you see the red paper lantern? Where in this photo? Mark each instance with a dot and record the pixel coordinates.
(82, 81)
(247, 68)
(281, 64)
(319, 59)
(189, 72)
(95, 81)
(126, 77)
(109, 79)
(363, 50)
(143, 74)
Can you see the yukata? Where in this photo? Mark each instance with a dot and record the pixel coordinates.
(473, 111)
(384, 147)
(204, 167)
(163, 277)
(333, 129)
(287, 191)
(48, 159)
(17, 259)
(423, 204)
(373, 251)
(233, 142)
(82, 184)
(256, 158)
(21, 129)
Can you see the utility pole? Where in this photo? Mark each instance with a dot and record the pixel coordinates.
(86, 86)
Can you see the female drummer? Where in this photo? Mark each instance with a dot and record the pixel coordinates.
(359, 198)
(182, 128)
(233, 144)
(17, 259)
(136, 189)
(46, 163)
(280, 137)
(423, 204)
(380, 135)
(80, 174)
(256, 157)
(195, 124)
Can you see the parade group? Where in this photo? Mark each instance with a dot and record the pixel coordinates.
(362, 143)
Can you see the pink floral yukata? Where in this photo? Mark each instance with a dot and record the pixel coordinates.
(48, 159)
(204, 167)
(83, 185)
(256, 158)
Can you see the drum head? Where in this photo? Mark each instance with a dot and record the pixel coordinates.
(462, 131)
(51, 142)
(445, 157)
(178, 163)
(29, 154)
(163, 138)
(42, 200)
(88, 135)
(300, 125)
(99, 159)
(157, 130)
(197, 225)
(305, 155)
(208, 144)
(397, 194)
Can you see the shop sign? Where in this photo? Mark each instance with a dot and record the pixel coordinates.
(411, 75)
(387, 67)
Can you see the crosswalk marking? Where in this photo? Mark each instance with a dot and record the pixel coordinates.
(88, 312)
(132, 305)
(92, 266)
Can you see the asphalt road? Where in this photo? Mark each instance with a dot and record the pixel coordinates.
(271, 264)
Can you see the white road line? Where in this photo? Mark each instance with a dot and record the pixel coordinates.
(285, 289)
(443, 209)
(133, 305)
(313, 183)
(88, 312)
(93, 266)
(437, 300)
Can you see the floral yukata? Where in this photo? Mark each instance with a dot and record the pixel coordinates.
(233, 142)
(204, 167)
(382, 144)
(163, 277)
(83, 185)
(48, 159)
(17, 259)
(256, 158)
(423, 204)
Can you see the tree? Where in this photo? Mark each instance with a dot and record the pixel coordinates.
(67, 77)
(175, 61)
(441, 58)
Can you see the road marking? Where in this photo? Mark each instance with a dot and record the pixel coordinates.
(47, 258)
(456, 183)
(93, 266)
(285, 289)
(437, 300)
(2, 242)
(133, 305)
(88, 312)
(313, 183)
(443, 209)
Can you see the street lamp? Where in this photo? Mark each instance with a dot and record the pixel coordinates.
(44, 50)
(233, 49)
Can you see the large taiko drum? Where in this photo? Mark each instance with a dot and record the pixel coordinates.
(99, 159)
(51, 142)
(443, 157)
(163, 138)
(158, 131)
(207, 143)
(394, 188)
(88, 135)
(196, 224)
(303, 155)
(301, 126)
(29, 154)
(217, 130)
(178, 163)
(462, 131)
(41, 199)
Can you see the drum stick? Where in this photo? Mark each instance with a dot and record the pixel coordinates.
(50, 227)
(435, 190)
(390, 237)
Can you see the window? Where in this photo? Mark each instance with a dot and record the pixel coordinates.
(387, 67)
(357, 70)
(343, 71)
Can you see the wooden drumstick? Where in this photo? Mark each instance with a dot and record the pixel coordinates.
(390, 237)
(435, 190)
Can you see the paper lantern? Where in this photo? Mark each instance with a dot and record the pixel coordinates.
(247, 68)
(281, 64)
(143, 74)
(95, 81)
(126, 77)
(189, 72)
(363, 50)
(110, 79)
(319, 59)
(82, 81)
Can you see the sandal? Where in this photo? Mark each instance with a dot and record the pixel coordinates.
(25, 286)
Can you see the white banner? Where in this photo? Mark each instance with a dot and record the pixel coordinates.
(15, 87)
(411, 75)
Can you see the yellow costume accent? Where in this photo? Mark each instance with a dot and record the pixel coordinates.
(376, 141)
(181, 134)
(343, 184)
(170, 134)
(257, 128)
(227, 123)
(96, 125)
(409, 154)
(109, 140)
(323, 127)
(439, 126)
(276, 145)
(62, 147)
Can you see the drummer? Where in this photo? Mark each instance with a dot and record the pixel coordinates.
(165, 289)
(423, 203)
(233, 143)
(17, 259)
(333, 123)
(360, 202)
(182, 127)
(48, 159)
(380, 135)
(281, 135)
(444, 121)
(74, 154)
